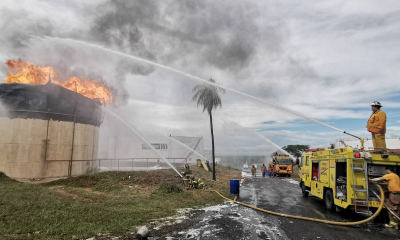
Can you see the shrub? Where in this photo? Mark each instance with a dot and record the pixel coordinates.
(170, 188)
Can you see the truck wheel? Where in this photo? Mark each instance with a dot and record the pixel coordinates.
(329, 202)
(304, 192)
(289, 175)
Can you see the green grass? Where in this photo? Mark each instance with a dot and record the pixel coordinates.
(108, 202)
(169, 188)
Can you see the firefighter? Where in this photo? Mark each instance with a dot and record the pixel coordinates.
(197, 182)
(263, 170)
(271, 170)
(186, 176)
(394, 196)
(377, 125)
(253, 171)
(187, 171)
(274, 174)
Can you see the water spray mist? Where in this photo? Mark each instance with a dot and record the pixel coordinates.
(262, 137)
(151, 146)
(196, 78)
(187, 147)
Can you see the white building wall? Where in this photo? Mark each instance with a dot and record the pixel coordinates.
(392, 143)
(135, 147)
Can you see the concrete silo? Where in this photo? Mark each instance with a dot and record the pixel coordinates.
(47, 131)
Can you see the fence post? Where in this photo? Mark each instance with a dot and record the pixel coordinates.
(147, 165)
(118, 164)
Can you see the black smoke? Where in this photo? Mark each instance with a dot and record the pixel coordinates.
(190, 35)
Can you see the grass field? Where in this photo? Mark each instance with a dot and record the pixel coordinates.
(107, 202)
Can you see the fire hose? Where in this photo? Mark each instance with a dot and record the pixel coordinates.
(382, 199)
(390, 210)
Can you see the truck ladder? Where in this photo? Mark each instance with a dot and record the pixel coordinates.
(360, 179)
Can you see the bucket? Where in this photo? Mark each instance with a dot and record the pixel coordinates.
(235, 184)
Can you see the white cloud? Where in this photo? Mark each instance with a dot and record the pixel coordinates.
(326, 60)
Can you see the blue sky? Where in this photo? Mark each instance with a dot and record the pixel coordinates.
(346, 124)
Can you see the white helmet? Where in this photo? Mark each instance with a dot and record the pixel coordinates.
(376, 104)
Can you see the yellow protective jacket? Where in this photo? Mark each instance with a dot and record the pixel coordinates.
(377, 122)
(186, 174)
(197, 182)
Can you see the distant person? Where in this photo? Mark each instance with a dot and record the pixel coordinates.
(377, 125)
(186, 176)
(394, 196)
(263, 170)
(274, 174)
(253, 171)
(270, 170)
(208, 165)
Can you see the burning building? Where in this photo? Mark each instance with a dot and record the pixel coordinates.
(48, 128)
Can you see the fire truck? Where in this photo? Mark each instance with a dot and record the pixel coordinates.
(281, 165)
(340, 176)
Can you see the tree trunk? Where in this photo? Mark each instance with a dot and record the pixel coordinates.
(212, 141)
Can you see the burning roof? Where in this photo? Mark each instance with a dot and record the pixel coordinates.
(48, 101)
(29, 73)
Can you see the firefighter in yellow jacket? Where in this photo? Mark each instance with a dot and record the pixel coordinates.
(377, 125)
(197, 182)
(186, 176)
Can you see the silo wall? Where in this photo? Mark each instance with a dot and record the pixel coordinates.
(47, 131)
(24, 154)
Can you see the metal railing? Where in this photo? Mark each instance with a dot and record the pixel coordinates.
(124, 164)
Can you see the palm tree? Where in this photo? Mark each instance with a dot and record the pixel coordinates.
(207, 95)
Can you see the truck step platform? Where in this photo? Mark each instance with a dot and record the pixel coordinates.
(361, 202)
(359, 188)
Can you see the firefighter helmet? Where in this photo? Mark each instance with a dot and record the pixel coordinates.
(376, 104)
(192, 177)
(186, 165)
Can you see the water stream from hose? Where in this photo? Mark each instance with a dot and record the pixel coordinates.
(260, 136)
(187, 147)
(138, 134)
(187, 75)
(273, 144)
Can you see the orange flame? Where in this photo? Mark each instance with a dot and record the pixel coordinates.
(29, 73)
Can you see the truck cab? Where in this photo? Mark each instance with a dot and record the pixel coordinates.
(281, 165)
